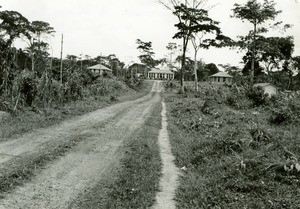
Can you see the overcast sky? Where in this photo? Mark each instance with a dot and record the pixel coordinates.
(94, 27)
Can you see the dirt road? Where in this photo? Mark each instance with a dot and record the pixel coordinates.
(101, 135)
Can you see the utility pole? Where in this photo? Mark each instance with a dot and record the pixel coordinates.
(100, 66)
(61, 64)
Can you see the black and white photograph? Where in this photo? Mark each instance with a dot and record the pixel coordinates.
(149, 104)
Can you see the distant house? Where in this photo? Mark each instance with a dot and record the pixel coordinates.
(220, 77)
(268, 88)
(139, 70)
(159, 74)
(99, 69)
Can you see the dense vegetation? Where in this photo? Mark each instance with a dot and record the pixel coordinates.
(237, 147)
(30, 77)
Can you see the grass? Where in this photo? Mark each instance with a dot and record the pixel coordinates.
(26, 120)
(234, 158)
(135, 181)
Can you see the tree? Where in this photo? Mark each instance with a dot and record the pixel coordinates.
(147, 54)
(256, 14)
(202, 72)
(12, 26)
(212, 68)
(208, 28)
(231, 70)
(290, 68)
(171, 47)
(115, 64)
(193, 19)
(296, 68)
(189, 17)
(275, 50)
(247, 59)
(36, 46)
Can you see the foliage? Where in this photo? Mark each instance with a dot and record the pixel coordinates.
(257, 14)
(12, 26)
(192, 20)
(147, 53)
(231, 70)
(236, 98)
(247, 59)
(284, 110)
(212, 68)
(274, 50)
(31, 78)
(257, 95)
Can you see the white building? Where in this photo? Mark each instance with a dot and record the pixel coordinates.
(158, 74)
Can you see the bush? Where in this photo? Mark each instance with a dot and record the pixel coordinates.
(29, 90)
(284, 110)
(257, 95)
(237, 98)
(259, 135)
(170, 85)
(281, 115)
(105, 86)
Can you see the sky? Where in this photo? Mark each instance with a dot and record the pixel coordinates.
(103, 27)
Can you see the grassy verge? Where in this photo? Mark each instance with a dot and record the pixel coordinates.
(27, 119)
(234, 158)
(135, 181)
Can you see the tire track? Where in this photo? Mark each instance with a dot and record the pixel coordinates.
(60, 182)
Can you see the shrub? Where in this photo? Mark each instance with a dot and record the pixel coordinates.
(281, 115)
(284, 110)
(257, 95)
(259, 135)
(170, 84)
(29, 90)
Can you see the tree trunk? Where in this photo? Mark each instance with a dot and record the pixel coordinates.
(195, 71)
(183, 66)
(32, 62)
(253, 57)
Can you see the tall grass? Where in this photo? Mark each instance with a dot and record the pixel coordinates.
(102, 93)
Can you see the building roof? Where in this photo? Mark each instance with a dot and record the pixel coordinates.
(221, 74)
(99, 67)
(263, 84)
(137, 64)
(155, 70)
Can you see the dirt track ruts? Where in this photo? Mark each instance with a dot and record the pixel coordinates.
(62, 180)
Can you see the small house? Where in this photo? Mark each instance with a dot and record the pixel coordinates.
(220, 77)
(268, 88)
(159, 74)
(100, 69)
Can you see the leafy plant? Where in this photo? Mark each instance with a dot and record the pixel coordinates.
(257, 95)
